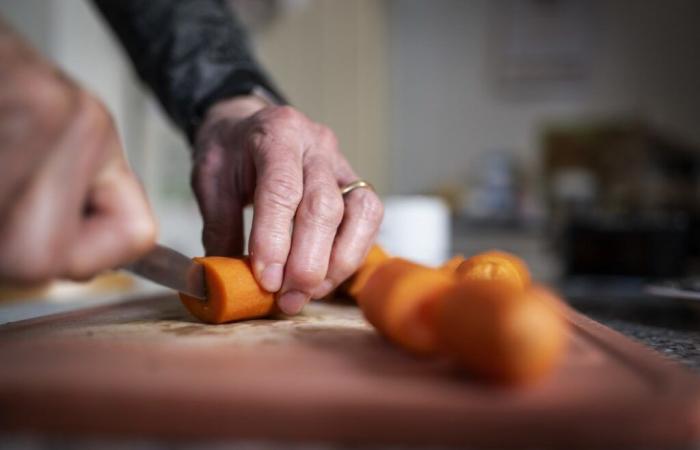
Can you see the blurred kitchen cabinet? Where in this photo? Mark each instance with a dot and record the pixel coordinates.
(624, 199)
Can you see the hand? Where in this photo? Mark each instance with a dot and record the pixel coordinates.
(69, 204)
(290, 168)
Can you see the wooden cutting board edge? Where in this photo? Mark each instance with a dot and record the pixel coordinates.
(679, 389)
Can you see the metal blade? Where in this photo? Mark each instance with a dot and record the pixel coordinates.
(172, 269)
(672, 292)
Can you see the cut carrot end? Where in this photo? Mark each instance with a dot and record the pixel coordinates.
(233, 293)
(495, 265)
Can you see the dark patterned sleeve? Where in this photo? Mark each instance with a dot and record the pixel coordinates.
(191, 53)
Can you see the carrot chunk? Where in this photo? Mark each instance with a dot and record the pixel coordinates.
(495, 265)
(499, 332)
(400, 300)
(376, 256)
(232, 292)
(450, 266)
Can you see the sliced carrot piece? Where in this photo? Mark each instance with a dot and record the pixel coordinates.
(376, 256)
(400, 300)
(499, 332)
(232, 292)
(495, 265)
(450, 266)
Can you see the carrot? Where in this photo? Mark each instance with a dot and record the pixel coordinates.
(232, 292)
(376, 256)
(495, 265)
(500, 332)
(400, 299)
(450, 266)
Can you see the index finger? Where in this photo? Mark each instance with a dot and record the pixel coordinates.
(278, 192)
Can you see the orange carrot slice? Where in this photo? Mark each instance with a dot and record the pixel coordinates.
(400, 300)
(495, 265)
(499, 332)
(450, 266)
(232, 292)
(376, 256)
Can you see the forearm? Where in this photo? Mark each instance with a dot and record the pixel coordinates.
(191, 53)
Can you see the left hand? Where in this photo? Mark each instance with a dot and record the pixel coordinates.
(291, 169)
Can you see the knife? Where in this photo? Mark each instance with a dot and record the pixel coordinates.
(677, 289)
(172, 269)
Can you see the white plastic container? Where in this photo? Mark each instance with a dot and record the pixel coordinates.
(417, 228)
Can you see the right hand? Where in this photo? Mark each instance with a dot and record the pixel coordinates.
(69, 204)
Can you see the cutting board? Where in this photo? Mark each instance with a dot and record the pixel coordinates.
(145, 368)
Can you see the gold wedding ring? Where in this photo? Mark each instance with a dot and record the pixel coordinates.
(357, 184)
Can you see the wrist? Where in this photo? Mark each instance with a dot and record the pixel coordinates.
(236, 108)
(233, 110)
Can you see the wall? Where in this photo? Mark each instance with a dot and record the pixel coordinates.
(330, 57)
(446, 113)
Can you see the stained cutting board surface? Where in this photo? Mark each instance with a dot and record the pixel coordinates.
(146, 368)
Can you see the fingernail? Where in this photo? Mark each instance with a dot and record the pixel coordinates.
(271, 277)
(292, 302)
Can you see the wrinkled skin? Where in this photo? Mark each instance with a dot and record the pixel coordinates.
(291, 169)
(70, 206)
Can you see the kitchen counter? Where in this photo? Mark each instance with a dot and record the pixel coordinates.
(669, 326)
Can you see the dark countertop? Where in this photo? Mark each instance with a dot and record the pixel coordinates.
(670, 326)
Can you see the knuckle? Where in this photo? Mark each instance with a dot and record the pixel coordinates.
(141, 234)
(323, 208)
(287, 120)
(268, 147)
(286, 113)
(283, 192)
(327, 137)
(371, 207)
(259, 139)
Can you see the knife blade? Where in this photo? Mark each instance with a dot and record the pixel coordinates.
(673, 292)
(172, 269)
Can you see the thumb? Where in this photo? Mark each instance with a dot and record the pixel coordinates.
(117, 225)
(220, 205)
